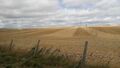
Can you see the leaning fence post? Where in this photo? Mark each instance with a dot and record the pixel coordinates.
(82, 62)
(11, 45)
(36, 48)
(84, 55)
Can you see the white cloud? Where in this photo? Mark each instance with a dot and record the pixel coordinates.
(39, 13)
(1, 24)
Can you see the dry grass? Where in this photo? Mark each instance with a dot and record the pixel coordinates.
(42, 58)
(112, 30)
(104, 42)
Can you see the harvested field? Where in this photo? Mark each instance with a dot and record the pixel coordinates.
(103, 47)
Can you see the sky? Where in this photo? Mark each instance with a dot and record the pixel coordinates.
(55, 13)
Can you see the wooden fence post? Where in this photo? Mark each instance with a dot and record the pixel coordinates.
(34, 51)
(84, 55)
(11, 45)
(36, 48)
(82, 62)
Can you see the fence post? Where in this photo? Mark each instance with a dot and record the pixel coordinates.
(36, 48)
(11, 45)
(82, 62)
(84, 55)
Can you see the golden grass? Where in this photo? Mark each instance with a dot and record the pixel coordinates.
(113, 30)
(104, 42)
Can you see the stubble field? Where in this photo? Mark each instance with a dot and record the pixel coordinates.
(103, 42)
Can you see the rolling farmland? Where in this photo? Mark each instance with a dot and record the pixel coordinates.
(103, 46)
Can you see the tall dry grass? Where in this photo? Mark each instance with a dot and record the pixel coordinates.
(39, 57)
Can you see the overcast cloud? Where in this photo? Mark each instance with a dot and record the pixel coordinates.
(44, 13)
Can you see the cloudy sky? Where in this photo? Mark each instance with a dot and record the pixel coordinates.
(45, 13)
